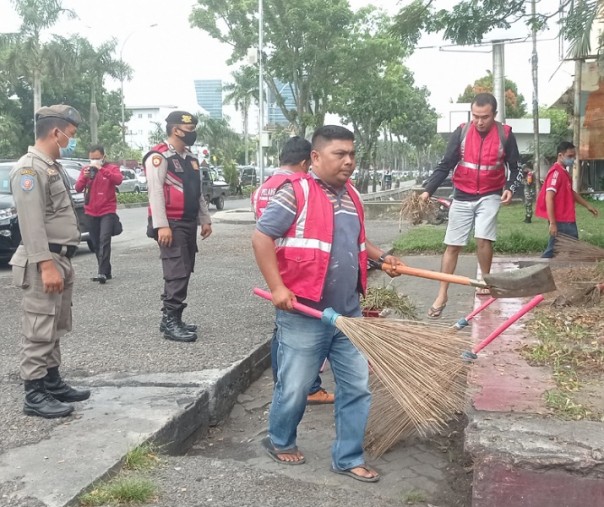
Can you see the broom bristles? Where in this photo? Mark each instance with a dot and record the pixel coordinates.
(567, 248)
(419, 365)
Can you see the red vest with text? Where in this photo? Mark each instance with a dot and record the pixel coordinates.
(481, 169)
(182, 188)
(263, 195)
(304, 252)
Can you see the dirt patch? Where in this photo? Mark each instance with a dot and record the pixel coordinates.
(569, 334)
(459, 471)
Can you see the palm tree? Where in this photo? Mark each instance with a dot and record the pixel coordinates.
(27, 55)
(241, 93)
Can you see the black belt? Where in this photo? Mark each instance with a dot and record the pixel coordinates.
(64, 250)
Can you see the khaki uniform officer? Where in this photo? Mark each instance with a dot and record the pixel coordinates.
(42, 263)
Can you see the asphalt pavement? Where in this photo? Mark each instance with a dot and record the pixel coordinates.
(144, 385)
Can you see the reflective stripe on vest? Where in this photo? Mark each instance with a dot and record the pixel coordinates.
(304, 243)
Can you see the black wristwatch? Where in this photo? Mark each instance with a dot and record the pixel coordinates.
(382, 258)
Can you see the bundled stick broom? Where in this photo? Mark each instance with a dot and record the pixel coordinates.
(418, 364)
(567, 248)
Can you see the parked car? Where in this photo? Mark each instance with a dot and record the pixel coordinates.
(213, 189)
(10, 235)
(131, 183)
(142, 180)
(248, 176)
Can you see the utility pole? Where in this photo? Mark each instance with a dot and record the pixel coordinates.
(499, 78)
(577, 124)
(535, 73)
(260, 92)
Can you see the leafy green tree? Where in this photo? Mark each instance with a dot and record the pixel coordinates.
(515, 105)
(559, 131)
(469, 21)
(303, 41)
(224, 143)
(241, 93)
(27, 54)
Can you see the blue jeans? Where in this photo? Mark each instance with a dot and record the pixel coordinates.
(304, 342)
(316, 386)
(568, 228)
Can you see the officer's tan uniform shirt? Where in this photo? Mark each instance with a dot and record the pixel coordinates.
(156, 178)
(44, 206)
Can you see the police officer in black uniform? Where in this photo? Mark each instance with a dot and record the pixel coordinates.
(176, 208)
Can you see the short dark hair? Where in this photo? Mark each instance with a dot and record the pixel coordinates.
(97, 147)
(45, 125)
(169, 128)
(331, 133)
(485, 99)
(295, 150)
(565, 146)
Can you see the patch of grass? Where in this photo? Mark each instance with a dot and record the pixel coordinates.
(120, 491)
(142, 457)
(573, 353)
(131, 197)
(513, 236)
(414, 496)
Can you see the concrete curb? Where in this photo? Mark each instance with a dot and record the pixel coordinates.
(522, 454)
(126, 410)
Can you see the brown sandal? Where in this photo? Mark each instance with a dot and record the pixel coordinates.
(435, 312)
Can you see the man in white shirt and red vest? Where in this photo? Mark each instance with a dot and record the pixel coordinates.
(310, 246)
(479, 152)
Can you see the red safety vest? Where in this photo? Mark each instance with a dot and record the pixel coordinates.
(263, 195)
(182, 188)
(482, 166)
(303, 253)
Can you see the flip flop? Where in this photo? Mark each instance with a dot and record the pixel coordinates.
(273, 453)
(350, 473)
(482, 291)
(435, 312)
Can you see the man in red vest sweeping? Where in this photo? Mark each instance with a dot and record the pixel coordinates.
(294, 160)
(310, 246)
(479, 152)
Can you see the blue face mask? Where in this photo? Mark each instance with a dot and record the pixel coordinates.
(568, 162)
(70, 148)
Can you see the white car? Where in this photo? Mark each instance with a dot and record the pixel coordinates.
(131, 182)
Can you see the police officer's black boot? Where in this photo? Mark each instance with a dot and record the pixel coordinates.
(189, 327)
(61, 391)
(38, 401)
(527, 220)
(173, 330)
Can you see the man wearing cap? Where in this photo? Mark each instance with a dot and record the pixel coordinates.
(42, 263)
(176, 208)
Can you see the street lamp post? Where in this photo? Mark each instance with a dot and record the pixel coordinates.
(260, 91)
(122, 78)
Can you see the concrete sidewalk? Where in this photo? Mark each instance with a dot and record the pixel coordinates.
(142, 385)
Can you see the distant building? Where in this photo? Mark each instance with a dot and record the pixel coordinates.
(209, 96)
(275, 115)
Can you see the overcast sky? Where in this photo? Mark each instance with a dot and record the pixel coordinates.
(167, 58)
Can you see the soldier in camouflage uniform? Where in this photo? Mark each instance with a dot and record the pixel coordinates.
(528, 182)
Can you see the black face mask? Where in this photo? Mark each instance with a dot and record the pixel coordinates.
(189, 138)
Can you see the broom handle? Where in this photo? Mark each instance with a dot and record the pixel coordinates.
(484, 305)
(435, 275)
(307, 310)
(520, 313)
